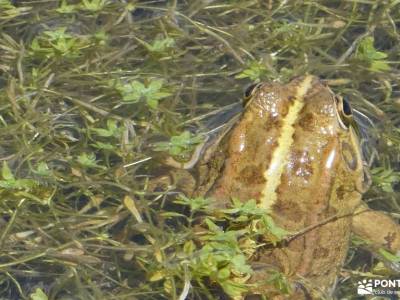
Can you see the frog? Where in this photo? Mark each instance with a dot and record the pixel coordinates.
(295, 150)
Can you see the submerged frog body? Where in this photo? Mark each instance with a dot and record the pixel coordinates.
(294, 150)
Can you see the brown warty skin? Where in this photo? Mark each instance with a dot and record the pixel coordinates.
(295, 151)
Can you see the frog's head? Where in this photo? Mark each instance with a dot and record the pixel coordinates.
(305, 99)
(298, 136)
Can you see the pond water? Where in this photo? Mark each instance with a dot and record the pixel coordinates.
(95, 95)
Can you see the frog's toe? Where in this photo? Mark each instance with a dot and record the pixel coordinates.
(376, 227)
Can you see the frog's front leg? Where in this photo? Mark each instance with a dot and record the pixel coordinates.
(377, 228)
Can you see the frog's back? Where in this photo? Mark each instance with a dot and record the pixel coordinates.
(293, 154)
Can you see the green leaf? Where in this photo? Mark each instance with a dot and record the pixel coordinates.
(65, 8)
(101, 37)
(112, 130)
(104, 146)
(212, 226)
(278, 232)
(189, 247)
(182, 144)
(195, 204)
(6, 172)
(255, 71)
(366, 49)
(248, 208)
(161, 45)
(240, 264)
(379, 66)
(9, 11)
(171, 214)
(279, 281)
(102, 132)
(57, 34)
(223, 274)
(58, 43)
(35, 46)
(87, 160)
(155, 85)
(131, 98)
(25, 184)
(162, 146)
(8, 185)
(389, 256)
(385, 178)
(367, 53)
(112, 125)
(234, 289)
(43, 169)
(136, 87)
(152, 103)
(38, 295)
(136, 91)
(160, 95)
(94, 5)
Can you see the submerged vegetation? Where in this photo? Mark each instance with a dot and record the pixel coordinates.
(93, 93)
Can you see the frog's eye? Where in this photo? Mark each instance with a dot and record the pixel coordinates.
(346, 107)
(249, 92)
(345, 112)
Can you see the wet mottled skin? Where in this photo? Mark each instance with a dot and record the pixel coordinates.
(287, 151)
(294, 150)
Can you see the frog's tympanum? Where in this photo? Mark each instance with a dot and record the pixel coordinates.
(295, 151)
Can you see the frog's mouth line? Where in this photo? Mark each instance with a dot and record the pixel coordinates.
(278, 162)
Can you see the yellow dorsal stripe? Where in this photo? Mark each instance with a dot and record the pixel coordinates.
(285, 140)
